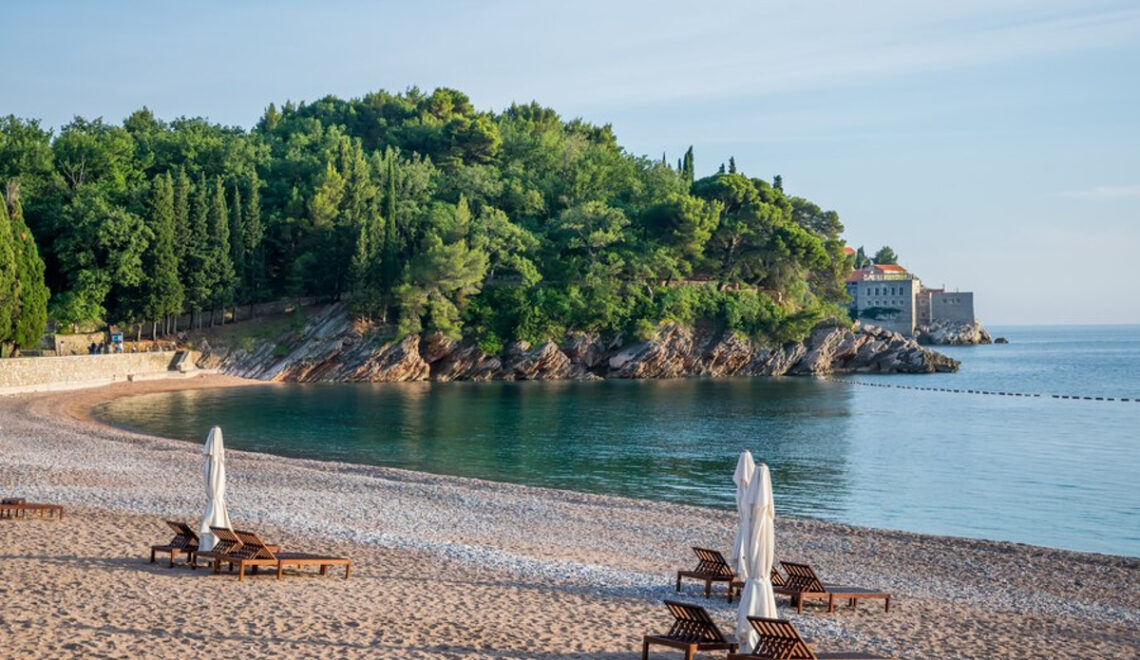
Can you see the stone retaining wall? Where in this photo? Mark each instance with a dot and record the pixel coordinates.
(40, 374)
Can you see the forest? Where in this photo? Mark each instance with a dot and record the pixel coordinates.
(418, 211)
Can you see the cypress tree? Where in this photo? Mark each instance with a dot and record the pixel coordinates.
(778, 183)
(198, 272)
(222, 268)
(8, 280)
(163, 289)
(237, 246)
(254, 233)
(183, 235)
(32, 299)
(731, 165)
(687, 166)
(390, 230)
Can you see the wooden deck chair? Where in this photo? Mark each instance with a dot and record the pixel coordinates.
(185, 541)
(693, 630)
(803, 584)
(225, 542)
(18, 507)
(779, 640)
(253, 552)
(711, 567)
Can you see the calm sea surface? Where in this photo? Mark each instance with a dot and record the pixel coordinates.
(1050, 472)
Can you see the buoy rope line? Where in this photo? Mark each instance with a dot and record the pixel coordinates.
(952, 390)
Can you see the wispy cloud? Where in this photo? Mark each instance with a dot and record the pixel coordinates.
(1105, 192)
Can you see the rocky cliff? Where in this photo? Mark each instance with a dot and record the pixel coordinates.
(952, 334)
(331, 348)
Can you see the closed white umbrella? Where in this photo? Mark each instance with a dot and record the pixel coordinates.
(215, 472)
(757, 598)
(745, 466)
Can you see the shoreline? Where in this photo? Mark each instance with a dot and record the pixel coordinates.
(597, 557)
(83, 410)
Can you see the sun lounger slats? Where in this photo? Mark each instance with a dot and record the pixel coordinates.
(778, 639)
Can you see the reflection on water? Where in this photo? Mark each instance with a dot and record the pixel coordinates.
(1032, 470)
(661, 439)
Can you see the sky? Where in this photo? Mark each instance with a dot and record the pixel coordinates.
(994, 145)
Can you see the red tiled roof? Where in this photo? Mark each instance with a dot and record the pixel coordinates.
(890, 268)
(848, 250)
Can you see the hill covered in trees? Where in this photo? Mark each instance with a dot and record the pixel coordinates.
(422, 213)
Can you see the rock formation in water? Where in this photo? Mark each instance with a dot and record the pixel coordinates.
(946, 333)
(332, 348)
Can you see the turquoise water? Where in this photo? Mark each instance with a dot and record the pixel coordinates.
(1050, 472)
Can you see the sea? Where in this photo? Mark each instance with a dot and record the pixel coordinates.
(1036, 441)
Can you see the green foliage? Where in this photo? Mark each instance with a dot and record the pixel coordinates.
(29, 311)
(417, 208)
(885, 255)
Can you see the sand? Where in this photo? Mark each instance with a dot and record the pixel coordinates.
(446, 567)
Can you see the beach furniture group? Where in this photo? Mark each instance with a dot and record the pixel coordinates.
(693, 630)
(242, 550)
(800, 584)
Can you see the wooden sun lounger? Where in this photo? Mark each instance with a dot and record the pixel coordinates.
(693, 630)
(227, 542)
(779, 640)
(711, 567)
(18, 507)
(803, 584)
(185, 541)
(253, 552)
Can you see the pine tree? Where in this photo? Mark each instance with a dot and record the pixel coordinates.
(163, 289)
(237, 247)
(222, 275)
(254, 234)
(731, 165)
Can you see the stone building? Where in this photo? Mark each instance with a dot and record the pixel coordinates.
(888, 296)
(885, 295)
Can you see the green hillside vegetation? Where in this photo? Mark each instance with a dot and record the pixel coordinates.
(421, 213)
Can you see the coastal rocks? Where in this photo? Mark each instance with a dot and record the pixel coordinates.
(331, 348)
(547, 362)
(948, 333)
(393, 363)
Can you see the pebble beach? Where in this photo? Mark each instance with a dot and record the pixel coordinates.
(448, 567)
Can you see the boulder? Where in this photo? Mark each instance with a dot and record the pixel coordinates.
(946, 333)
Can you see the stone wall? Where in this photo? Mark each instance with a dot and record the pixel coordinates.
(39, 374)
(957, 307)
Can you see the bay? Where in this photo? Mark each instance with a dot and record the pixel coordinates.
(865, 451)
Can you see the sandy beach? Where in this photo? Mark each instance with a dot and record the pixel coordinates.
(446, 567)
